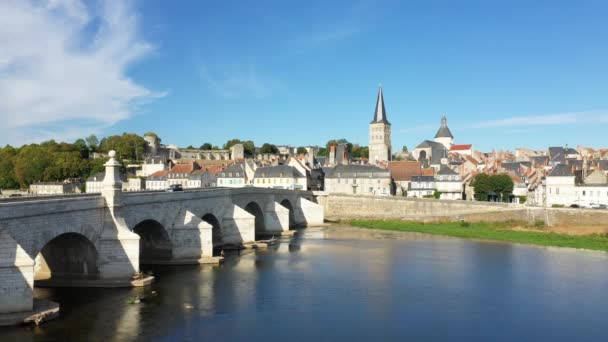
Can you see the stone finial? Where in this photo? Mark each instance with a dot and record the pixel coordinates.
(112, 184)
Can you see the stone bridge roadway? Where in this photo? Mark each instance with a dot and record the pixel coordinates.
(104, 237)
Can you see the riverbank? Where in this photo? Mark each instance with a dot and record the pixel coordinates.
(508, 232)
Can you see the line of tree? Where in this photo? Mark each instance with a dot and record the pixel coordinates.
(355, 151)
(51, 161)
(489, 187)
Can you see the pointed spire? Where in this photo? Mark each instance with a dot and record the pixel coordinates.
(444, 131)
(380, 112)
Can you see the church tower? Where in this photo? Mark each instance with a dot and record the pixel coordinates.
(444, 136)
(379, 133)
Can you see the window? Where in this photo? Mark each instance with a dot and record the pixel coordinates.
(584, 193)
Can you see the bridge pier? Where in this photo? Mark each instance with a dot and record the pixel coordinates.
(118, 255)
(16, 277)
(192, 238)
(276, 218)
(238, 226)
(308, 213)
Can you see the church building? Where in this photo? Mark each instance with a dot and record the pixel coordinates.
(379, 134)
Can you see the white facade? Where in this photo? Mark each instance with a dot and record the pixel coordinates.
(359, 186)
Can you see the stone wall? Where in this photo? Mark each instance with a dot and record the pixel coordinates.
(361, 207)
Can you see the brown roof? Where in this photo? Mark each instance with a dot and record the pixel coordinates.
(460, 147)
(428, 172)
(404, 170)
(183, 168)
(162, 173)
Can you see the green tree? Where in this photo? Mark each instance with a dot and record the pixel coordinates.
(269, 148)
(81, 146)
(190, 147)
(206, 146)
(92, 142)
(7, 168)
(128, 146)
(248, 146)
(360, 152)
(32, 161)
(404, 149)
(152, 134)
(302, 150)
(322, 152)
(482, 186)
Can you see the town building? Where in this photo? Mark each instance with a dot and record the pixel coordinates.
(358, 180)
(448, 183)
(280, 177)
(234, 176)
(421, 186)
(379, 133)
(53, 188)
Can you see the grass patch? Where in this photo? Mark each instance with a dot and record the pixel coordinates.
(491, 231)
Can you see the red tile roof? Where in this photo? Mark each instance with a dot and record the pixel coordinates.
(461, 147)
(404, 170)
(182, 168)
(162, 173)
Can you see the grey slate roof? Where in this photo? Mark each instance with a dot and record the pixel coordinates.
(444, 131)
(561, 170)
(557, 155)
(380, 111)
(233, 171)
(432, 144)
(423, 178)
(357, 171)
(444, 170)
(280, 171)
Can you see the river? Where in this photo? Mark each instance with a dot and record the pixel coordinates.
(348, 284)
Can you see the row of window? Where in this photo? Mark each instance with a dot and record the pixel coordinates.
(274, 181)
(230, 181)
(354, 181)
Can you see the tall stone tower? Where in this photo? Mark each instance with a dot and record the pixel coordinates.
(379, 133)
(444, 136)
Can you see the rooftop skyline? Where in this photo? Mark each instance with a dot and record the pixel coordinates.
(506, 75)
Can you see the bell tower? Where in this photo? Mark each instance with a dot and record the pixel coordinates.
(379, 133)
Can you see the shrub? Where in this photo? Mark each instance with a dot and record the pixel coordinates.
(465, 224)
(539, 224)
(522, 199)
(557, 206)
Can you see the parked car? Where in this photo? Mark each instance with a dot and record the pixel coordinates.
(597, 206)
(174, 187)
(575, 206)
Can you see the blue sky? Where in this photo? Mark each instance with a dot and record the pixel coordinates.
(506, 73)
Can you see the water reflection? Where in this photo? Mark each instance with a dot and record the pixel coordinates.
(369, 285)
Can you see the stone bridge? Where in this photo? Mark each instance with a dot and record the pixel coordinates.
(105, 237)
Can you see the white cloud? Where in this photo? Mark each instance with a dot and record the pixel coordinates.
(547, 120)
(239, 83)
(63, 68)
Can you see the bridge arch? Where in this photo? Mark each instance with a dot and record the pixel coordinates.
(217, 237)
(254, 209)
(154, 242)
(68, 256)
(292, 220)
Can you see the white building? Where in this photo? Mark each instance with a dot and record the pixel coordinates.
(448, 183)
(421, 186)
(234, 176)
(358, 180)
(52, 188)
(280, 177)
(561, 188)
